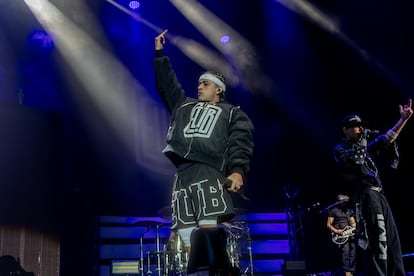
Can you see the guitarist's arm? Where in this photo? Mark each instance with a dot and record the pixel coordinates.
(352, 222)
(329, 224)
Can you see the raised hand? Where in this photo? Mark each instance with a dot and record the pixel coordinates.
(160, 40)
(406, 110)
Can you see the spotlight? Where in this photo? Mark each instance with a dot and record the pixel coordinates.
(134, 5)
(225, 39)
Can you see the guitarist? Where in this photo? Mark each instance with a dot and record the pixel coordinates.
(341, 222)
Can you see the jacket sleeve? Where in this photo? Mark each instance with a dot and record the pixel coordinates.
(350, 157)
(381, 148)
(166, 82)
(241, 143)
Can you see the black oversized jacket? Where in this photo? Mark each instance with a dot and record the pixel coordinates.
(220, 135)
(359, 166)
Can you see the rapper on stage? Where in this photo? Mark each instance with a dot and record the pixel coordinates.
(358, 156)
(210, 142)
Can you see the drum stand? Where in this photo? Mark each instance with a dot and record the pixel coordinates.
(149, 272)
(159, 269)
(157, 253)
(141, 252)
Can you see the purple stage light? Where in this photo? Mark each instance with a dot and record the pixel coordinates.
(225, 39)
(134, 5)
(41, 40)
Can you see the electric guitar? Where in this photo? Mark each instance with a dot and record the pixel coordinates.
(339, 239)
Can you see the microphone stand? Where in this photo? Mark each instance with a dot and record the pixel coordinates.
(326, 209)
(141, 251)
(141, 254)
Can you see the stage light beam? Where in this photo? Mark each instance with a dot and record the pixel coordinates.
(107, 82)
(238, 51)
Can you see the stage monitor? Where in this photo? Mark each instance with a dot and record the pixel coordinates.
(125, 267)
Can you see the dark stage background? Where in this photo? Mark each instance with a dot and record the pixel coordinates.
(305, 65)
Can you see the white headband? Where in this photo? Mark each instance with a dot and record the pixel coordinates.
(213, 79)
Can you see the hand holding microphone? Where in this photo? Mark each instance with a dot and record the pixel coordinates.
(227, 185)
(366, 132)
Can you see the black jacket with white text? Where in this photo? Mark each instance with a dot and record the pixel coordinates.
(220, 134)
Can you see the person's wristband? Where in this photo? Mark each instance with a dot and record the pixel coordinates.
(392, 134)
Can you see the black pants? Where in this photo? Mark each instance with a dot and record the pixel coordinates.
(348, 255)
(383, 255)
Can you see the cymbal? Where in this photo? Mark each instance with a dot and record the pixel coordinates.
(165, 212)
(151, 222)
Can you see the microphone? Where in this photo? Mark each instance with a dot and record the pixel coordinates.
(371, 131)
(368, 132)
(227, 184)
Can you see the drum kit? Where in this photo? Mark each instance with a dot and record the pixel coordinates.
(170, 257)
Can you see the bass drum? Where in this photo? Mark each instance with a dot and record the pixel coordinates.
(175, 258)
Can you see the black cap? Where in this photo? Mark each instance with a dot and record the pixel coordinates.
(353, 121)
